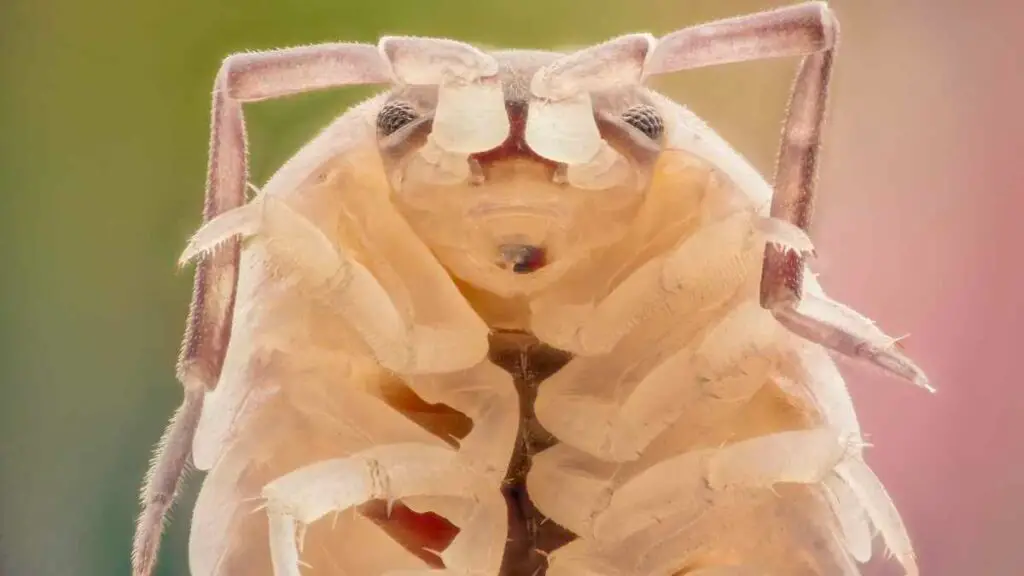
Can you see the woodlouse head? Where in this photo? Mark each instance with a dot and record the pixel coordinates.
(515, 165)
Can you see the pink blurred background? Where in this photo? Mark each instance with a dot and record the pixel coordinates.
(920, 227)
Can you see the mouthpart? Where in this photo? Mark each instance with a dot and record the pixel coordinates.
(522, 258)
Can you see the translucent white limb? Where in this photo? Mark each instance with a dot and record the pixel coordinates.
(737, 355)
(388, 473)
(677, 487)
(818, 379)
(283, 533)
(854, 529)
(703, 271)
(570, 487)
(560, 124)
(590, 329)
(589, 497)
(617, 429)
(840, 328)
(480, 545)
(470, 115)
(880, 510)
(352, 289)
(487, 395)
(564, 131)
(697, 523)
(730, 362)
(729, 538)
(801, 456)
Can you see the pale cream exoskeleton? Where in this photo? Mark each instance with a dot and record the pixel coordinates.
(520, 314)
(509, 197)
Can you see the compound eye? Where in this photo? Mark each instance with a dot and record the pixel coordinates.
(394, 116)
(645, 119)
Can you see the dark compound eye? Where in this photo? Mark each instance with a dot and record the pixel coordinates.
(645, 119)
(393, 116)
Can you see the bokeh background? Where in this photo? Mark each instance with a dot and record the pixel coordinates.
(103, 135)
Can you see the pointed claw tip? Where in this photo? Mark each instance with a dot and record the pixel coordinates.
(919, 379)
(191, 255)
(184, 260)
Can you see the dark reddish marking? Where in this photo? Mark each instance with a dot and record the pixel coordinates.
(423, 534)
(782, 277)
(532, 258)
(795, 178)
(514, 145)
(524, 258)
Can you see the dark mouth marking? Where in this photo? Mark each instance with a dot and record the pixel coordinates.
(524, 258)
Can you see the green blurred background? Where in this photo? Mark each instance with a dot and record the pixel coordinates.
(103, 141)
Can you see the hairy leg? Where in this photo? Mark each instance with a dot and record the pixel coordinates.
(807, 30)
(782, 280)
(795, 30)
(163, 480)
(242, 78)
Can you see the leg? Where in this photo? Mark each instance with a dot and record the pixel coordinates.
(390, 473)
(398, 343)
(242, 78)
(587, 329)
(782, 280)
(164, 479)
(871, 495)
(251, 78)
(809, 30)
(795, 30)
(666, 490)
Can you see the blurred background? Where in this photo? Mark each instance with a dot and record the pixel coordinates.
(103, 142)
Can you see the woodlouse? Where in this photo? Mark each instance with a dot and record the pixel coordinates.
(520, 314)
